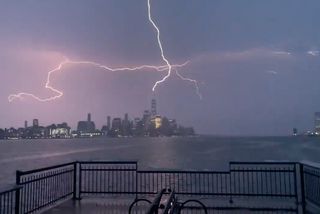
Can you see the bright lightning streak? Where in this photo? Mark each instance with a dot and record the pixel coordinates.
(192, 81)
(166, 60)
(168, 67)
(59, 94)
(161, 49)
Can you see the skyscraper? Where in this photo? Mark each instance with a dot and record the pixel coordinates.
(153, 107)
(35, 123)
(86, 126)
(294, 131)
(116, 125)
(25, 124)
(146, 119)
(126, 125)
(109, 122)
(126, 117)
(317, 122)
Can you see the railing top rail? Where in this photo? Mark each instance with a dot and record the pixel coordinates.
(309, 165)
(108, 162)
(232, 163)
(183, 171)
(7, 190)
(263, 163)
(21, 173)
(262, 170)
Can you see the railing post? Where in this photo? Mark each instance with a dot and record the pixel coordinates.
(231, 188)
(75, 180)
(17, 193)
(17, 201)
(136, 171)
(302, 187)
(18, 177)
(80, 181)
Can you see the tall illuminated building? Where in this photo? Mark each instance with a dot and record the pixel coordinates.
(158, 121)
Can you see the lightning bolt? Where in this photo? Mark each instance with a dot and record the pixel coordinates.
(161, 49)
(59, 94)
(166, 60)
(195, 82)
(165, 67)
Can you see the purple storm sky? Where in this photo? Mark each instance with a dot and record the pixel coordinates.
(257, 62)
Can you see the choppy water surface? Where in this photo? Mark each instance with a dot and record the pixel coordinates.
(155, 153)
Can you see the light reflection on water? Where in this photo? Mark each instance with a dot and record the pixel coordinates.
(155, 153)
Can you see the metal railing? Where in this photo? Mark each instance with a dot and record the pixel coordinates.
(267, 180)
(264, 179)
(310, 182)
(184, 182)
(107, 177)
(9, 201)
(43, 187)
(295, 183)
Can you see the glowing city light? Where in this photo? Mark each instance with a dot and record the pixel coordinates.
(167, 66)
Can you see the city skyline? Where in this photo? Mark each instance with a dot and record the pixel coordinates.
(149, 124)
(153, 117)
(256, 64)
(153, 110)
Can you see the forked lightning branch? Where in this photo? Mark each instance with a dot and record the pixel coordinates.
(167, 66)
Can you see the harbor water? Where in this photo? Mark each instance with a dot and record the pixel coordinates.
(188, 153)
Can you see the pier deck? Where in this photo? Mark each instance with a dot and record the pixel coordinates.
(120, 205)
